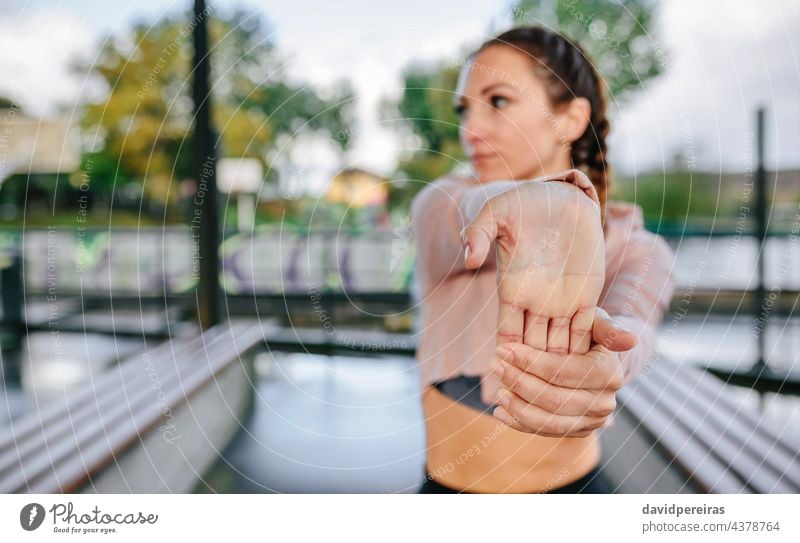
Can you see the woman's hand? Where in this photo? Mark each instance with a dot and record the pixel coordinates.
(562, 395)
(550, 261)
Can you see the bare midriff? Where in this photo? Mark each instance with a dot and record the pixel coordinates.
(473, 452)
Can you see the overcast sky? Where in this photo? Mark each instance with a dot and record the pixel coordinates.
(724, 59)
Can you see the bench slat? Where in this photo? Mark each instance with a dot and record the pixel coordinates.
(107, 431)
(94, 428)
(690, 457)
(100, 453)
(695, 428)
(104, 386)
(751, 449)
(78, 405)
(709, 383)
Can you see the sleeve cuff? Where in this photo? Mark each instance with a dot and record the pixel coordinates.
(577, 178)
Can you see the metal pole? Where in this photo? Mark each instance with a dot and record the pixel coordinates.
(13, 322)
(761, 233)
(205, 162)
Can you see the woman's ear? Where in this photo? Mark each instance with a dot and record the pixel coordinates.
(576, 116)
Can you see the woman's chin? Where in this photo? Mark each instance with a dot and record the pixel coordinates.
(486, 175)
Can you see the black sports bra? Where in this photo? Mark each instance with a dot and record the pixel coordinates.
(466, 390)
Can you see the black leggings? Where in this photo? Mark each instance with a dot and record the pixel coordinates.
(593, 482)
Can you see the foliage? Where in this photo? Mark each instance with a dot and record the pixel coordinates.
(614, 34)
(141, 130)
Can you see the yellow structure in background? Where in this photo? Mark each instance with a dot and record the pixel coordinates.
(358, 188)
(32, 145)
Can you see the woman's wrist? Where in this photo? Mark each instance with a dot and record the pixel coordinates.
(476, 197)
(577, 179)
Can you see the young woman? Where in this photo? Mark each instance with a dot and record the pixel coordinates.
(539, 298)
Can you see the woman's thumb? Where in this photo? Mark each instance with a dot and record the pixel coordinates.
(477, 238)
(611, 334)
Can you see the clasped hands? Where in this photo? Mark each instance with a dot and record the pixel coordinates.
(557, 352)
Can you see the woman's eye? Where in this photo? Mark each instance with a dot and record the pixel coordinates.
(460, 109)
(498, 101)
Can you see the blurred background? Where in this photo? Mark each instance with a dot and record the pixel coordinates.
(317, 123)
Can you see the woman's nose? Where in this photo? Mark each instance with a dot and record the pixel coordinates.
(473, 129)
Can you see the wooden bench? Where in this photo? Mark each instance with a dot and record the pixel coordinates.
(153, 423)
(677, 429)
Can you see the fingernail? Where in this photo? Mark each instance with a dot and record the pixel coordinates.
(622, 328)
(503, 352)
(498, 369)
(617, 324)
(502, 415)
(467, 251)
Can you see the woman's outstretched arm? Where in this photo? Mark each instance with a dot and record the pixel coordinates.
(639, 294)
(441, 210)
(438, 214)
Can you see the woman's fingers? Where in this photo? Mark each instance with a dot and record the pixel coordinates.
(599, 369)
(538, 421)
(510, 321)
(558, 335)
(503, 416)
(536, 331)
(580, 330)
(477, 237)
(557, 387)
(555, 399)
(573, 334)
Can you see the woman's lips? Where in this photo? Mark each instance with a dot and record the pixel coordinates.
(481, 157)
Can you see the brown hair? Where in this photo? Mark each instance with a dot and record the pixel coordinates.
(568, 74)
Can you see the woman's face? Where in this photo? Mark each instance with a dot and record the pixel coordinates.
(508, 128)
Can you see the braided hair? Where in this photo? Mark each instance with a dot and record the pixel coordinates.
(567, 73)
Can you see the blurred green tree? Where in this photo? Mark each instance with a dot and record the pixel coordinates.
(669, 199)
(140, 131)
(426, 110)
